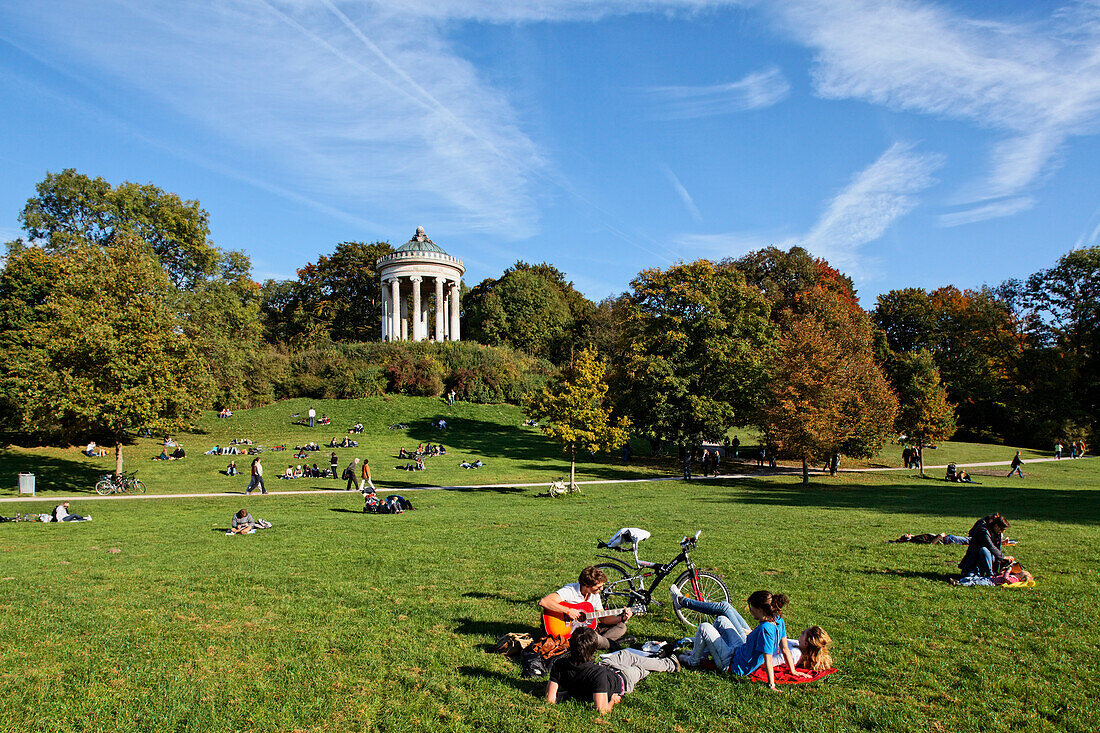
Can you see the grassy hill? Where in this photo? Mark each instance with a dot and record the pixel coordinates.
(494, 433)
(150, 619)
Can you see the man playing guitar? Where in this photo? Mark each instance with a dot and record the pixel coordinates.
(587, 589)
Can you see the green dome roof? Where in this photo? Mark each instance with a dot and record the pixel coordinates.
(420, 243)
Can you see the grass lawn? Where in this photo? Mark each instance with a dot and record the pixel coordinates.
(149, 618)
(494, 433)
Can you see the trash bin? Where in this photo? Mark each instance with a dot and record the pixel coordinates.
(26, 483)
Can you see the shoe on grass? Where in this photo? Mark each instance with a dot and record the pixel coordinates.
(685, 660)
(674, 591)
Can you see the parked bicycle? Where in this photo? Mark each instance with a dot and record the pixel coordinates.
(399, 426)
(627, 586)
(127, 483)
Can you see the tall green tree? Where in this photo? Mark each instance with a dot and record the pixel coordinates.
(529, 307)
(699, 345)
(336, 298)
(72, 210)
(925, 416)
(1063, 310)
(575, 411)
(104, 352)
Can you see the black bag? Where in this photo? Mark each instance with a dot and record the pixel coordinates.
(534, 664)
(347, 475)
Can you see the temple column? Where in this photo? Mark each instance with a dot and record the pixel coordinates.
(440, 332)
(417, 313)
(385, 313)
(454, 312)
(404, 309)
(395, 312)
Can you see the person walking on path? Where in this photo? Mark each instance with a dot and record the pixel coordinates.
(1016, 464)
(334, 463)
(1058, 451)
(257, 477)
(687, 464)
(312, 416)
(365, 475)
(352, 475)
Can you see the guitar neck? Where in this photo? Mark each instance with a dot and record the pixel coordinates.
(596, 615)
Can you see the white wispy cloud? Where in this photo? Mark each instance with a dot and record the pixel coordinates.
(1037, 82)
(878, 196)
(365, 105)
(755, 91)
(859, 214)
(678, 187)
(993, 210)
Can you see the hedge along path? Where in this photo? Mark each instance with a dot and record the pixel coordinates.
(782, 471)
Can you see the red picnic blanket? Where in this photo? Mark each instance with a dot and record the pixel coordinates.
(783, 675)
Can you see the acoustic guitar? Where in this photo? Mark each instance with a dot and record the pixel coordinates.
(558, 624)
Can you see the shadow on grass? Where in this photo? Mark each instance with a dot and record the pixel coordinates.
(967, 500)
(492, 489)
(492, 629)
(531, 687)
(486, 440)
(348, 511)
(55, 475)
(923, 575)
(498, 597)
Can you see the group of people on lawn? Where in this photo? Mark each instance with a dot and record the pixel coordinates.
(729, 642)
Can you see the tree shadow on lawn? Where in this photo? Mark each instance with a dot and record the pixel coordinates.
(484, 439)
(935, 577)
(968, 500)
(56, 475)
(498, 597)
(492, 629)
(533, 686)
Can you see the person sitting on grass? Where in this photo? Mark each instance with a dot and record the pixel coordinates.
(810, 651)
(983, 555)
(215, 451)
(288, 473)
(163, 455)
(225, 413)
(475, 464)
(243, 523)
(179, 453)
(576, 675)
(356, 428)
(731, 643)
(90, 450)
(231, 469)
(61, 514)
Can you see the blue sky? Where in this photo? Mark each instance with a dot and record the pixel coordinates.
(910, 143)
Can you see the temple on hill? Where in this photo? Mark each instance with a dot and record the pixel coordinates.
(407, 307)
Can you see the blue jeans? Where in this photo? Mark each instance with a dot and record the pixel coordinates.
(720, 639)
(1016, 470)
(985, 562)
(954, 539)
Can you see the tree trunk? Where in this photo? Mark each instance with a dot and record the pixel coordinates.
(805, 472)
(920, 458)
(572, 470)
(834, 460)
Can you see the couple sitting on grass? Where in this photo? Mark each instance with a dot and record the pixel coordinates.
(732, 645)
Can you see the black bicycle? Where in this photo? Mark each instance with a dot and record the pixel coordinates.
(127, 483)
(626, 586)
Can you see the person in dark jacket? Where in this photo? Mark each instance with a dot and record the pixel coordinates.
(984, 550)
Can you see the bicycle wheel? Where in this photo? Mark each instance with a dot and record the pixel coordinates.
(137, 486)
(710, 588)
(620, 585)
(104, 487)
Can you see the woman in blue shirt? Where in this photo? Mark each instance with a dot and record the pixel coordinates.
(731, 643)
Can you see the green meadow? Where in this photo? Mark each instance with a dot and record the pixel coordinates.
(150, 619)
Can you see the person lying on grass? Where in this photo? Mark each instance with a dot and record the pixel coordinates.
(810, 651)
(577, 676)
(933, 539)
(734, 647)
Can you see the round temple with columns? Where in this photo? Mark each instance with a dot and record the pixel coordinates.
(407, 308)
